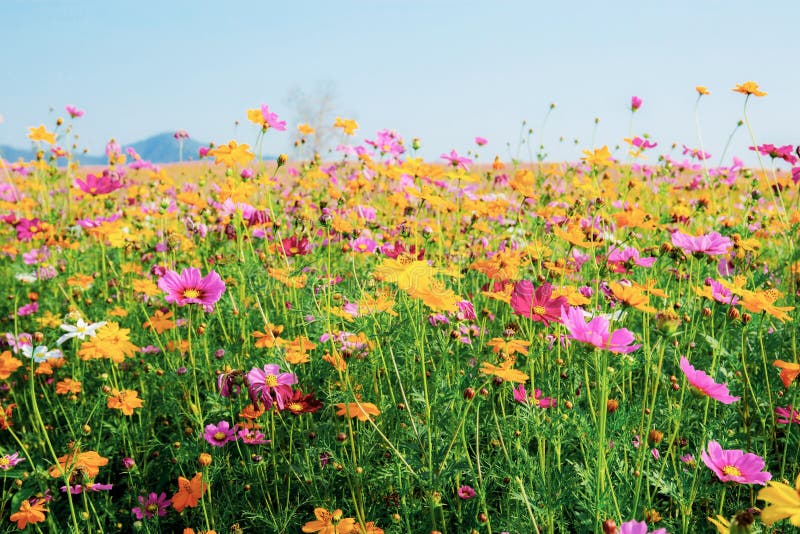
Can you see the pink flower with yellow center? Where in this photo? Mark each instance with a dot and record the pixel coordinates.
(190, 288)
(734, 465)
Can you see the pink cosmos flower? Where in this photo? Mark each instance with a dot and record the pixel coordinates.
(636, 103)
(295, 247)
(252, 436)
(536, 303)
(220, 434)
(521, 396)
(596, 331)
(712, 244)
(643, 144)
(269, 385)
(705, 384)
(787, 415)
(480, 141)
(8, 461)
(621, 259)
(638, 527)
(190, 288)
(456, 160)
(272, 120)
(77, 489)
(364, 245)
(734, 465)
(784, 152)
(466, 492)
(74, 112)
(151, 506)
(180, 135)
(695, 153)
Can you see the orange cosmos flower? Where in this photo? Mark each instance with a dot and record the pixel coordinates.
(701, 90)
(8, 364)
(508, 347)
(749, 88)
(160, 322)
(362, 410)
(504, 371)
(29, 513)
(789, 371)
(87, 462)
(330, 523)
(68, 385)
(189, 492)
(126, 400)
(348, 125)
(305, 129)
(599, 156)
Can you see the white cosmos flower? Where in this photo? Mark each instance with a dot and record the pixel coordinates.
(79, 330)
(40, 353)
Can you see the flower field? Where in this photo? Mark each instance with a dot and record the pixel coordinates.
(366, 342)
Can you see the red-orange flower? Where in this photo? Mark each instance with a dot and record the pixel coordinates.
(189, 492)
(8, 364)
(789, 371)
(29, 513)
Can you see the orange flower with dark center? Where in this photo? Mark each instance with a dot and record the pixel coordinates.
(87, 462)
(126, 400)
(330, 523)
(749, 88)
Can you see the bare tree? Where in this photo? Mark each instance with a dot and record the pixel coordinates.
(316, 109)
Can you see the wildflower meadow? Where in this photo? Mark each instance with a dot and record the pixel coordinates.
(365, 342)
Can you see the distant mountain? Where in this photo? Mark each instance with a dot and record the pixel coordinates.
(161, 148)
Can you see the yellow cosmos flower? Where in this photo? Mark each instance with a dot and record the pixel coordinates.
(784, 502)
(749, 88)
(232, 154)
(40, 133)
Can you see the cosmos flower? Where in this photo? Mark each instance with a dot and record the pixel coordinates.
(784, 502)
(705, 384)
(596, 331)
(748, 88)
(636, 103)
(74, 112)
(787, 415)
(153, 505)
(456, 160)
(712, 244)
(734, 465)
(190, 288)
(466, 492)
(80, 330)
(7, 461)
(270, 385)
(638, 527)
(536, 303)
(220, 434)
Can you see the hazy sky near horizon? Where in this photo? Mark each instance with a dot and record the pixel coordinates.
(441, 70)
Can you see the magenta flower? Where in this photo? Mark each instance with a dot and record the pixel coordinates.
(74, 112)
(734, 465)
(596, 331)
(272, 120)
(720, 293)
(295, 247)
(705, 384)
(643, 144)
(536, 303)
(77, 489)
(220, 434)
(99, 185)
(785, 152)
(456, 160)
(695, 153)
(28, 309)
(636, 103)
(785, 416)
(466, 492)
(190, 288)
(269, 385)
(153, 505)
(180, 135)
(521, 395)
(712, 244)
(638, 527)
(480, 141)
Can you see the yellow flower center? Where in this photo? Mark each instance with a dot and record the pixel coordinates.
(271, 380)
(732, 471)
(219, 436)
(191, 293)
(152, 508)
(292, 407)
(4, 462)
(539, 310)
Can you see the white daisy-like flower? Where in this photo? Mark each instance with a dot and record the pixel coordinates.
(40, 353)
(26, 278)
(80, 330)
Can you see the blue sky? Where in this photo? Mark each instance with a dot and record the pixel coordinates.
(444, 71)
